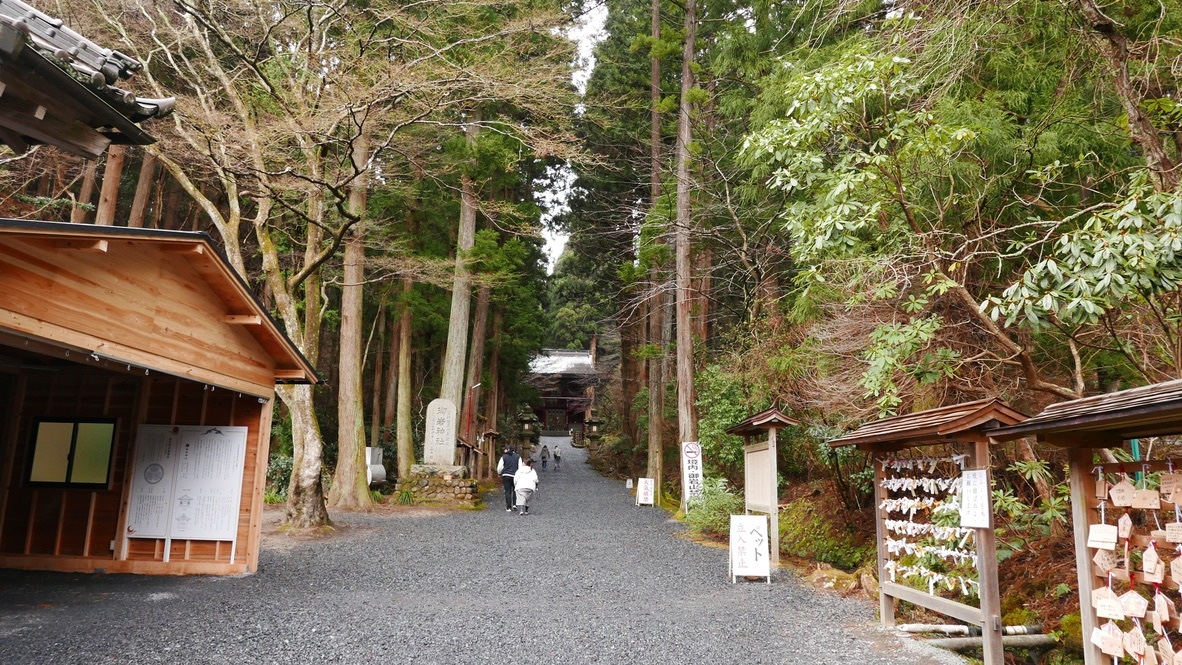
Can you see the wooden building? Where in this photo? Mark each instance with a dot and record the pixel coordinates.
(566, 380)
(137, 373)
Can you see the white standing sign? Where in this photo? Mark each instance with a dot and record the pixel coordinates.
(749, 554)
(975, 510)
(691, 470)
(645, 489)
(187, 483)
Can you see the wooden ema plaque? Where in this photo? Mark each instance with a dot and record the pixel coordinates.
(1132, 532)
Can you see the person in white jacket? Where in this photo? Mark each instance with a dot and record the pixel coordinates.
(526, 483)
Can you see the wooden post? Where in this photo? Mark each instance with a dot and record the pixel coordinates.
(886, 603)
(987, 572)
(774, 522)
(1082, 487)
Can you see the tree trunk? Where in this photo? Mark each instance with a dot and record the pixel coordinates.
(1114, 47)
(476, 363)
(406, 443)
(702, 260)
(78, 215)
(494, 390)
(687, 426)
(375, 420)
(452, 383)
(143, 191)
(109, 194)
(349, 487)
(305, 493)
(390, 407)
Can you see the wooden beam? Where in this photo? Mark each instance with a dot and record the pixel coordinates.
(290, 374)
(965, 613)
(1082, 440)
(73, 137)
(244, 319)
(96, 246)
(196, 248)
(13, 140)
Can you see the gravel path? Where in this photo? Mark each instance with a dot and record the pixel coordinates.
(589, 578)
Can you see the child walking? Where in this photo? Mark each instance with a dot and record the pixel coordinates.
(526, 482)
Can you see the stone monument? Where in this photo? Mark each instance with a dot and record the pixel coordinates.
(439, 445)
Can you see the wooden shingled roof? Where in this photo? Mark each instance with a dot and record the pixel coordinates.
(1152, 410)
(940, 425)
(762, 422)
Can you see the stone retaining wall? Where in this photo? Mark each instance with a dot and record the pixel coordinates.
(462, 491)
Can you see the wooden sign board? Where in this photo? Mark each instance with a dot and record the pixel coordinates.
(749, 554)
(975, 507)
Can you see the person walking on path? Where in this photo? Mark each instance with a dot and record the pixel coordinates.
(526, 481)
(557, 458)
(545, 457)
(507, 466)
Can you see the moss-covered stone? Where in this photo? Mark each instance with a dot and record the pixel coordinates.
(1071, 627)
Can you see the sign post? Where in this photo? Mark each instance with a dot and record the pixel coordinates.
(691, 473)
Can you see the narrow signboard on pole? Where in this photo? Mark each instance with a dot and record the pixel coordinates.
(749, 555)
(691, 472)
(644, 492)
(975, 511)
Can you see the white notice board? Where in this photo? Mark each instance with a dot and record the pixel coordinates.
(187, 482)
(975, 511)
(152, 481)
(645, 489)
(691, 470)
(759, 478)
(749, 547)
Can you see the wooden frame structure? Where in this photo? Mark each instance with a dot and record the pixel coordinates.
(961, 426)
(1082, 426)
(760, 492)
(144, 327)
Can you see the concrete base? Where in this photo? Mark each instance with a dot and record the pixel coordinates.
(438, 471)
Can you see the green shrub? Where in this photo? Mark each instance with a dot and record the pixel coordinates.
(810, 533)
(406, 496)
(278, 476)
(710, 513)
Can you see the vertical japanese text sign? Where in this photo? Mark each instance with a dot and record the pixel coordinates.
(645, 489)
(975, 510)
(691, 470)
(749, 554)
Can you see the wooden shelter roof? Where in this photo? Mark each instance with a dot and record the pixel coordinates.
(939, 425)
(1152, 410)
(59, 88)
(762, 422)
(195, 251)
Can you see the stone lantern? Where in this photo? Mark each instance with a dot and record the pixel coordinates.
(529, 426)
(593, 433)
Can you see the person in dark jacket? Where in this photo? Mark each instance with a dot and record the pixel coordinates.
(507, 467)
